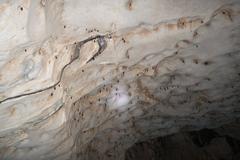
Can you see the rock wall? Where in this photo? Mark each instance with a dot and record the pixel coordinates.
(87, 79)
(198, 145)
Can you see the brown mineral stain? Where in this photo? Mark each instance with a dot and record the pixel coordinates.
(12, 111)
(144, 32)
(156, 28)
(130, 5)
(140, 31)
(3, 8)
(146, 92)
(181, 23)
(196, 23)
(172, 27)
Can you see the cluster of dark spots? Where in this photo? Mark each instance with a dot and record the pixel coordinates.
(92, 30)
(124, 41)
(181, 23)
(165, 88)
(195, 34)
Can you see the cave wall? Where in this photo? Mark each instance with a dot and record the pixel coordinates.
(205, 144)
(87, 79)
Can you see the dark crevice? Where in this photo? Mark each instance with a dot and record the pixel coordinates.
(202, 137)
(102, 46)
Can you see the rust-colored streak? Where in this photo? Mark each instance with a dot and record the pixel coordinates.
(144, 32)
(183, 23)
(171, 27)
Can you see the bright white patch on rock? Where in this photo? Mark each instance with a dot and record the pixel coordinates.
(118, 99)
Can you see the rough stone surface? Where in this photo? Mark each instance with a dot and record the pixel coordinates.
(205, 144)
(86, 79)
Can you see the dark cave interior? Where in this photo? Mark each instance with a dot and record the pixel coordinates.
(205, 144)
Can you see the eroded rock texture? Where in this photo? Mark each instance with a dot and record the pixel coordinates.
(86, 79)
(197, 145)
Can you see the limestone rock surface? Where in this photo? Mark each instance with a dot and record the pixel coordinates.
(86, 79)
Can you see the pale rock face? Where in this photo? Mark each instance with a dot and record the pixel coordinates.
(176, 64)
(118, 98)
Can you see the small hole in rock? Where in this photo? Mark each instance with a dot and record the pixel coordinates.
(206, 63)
